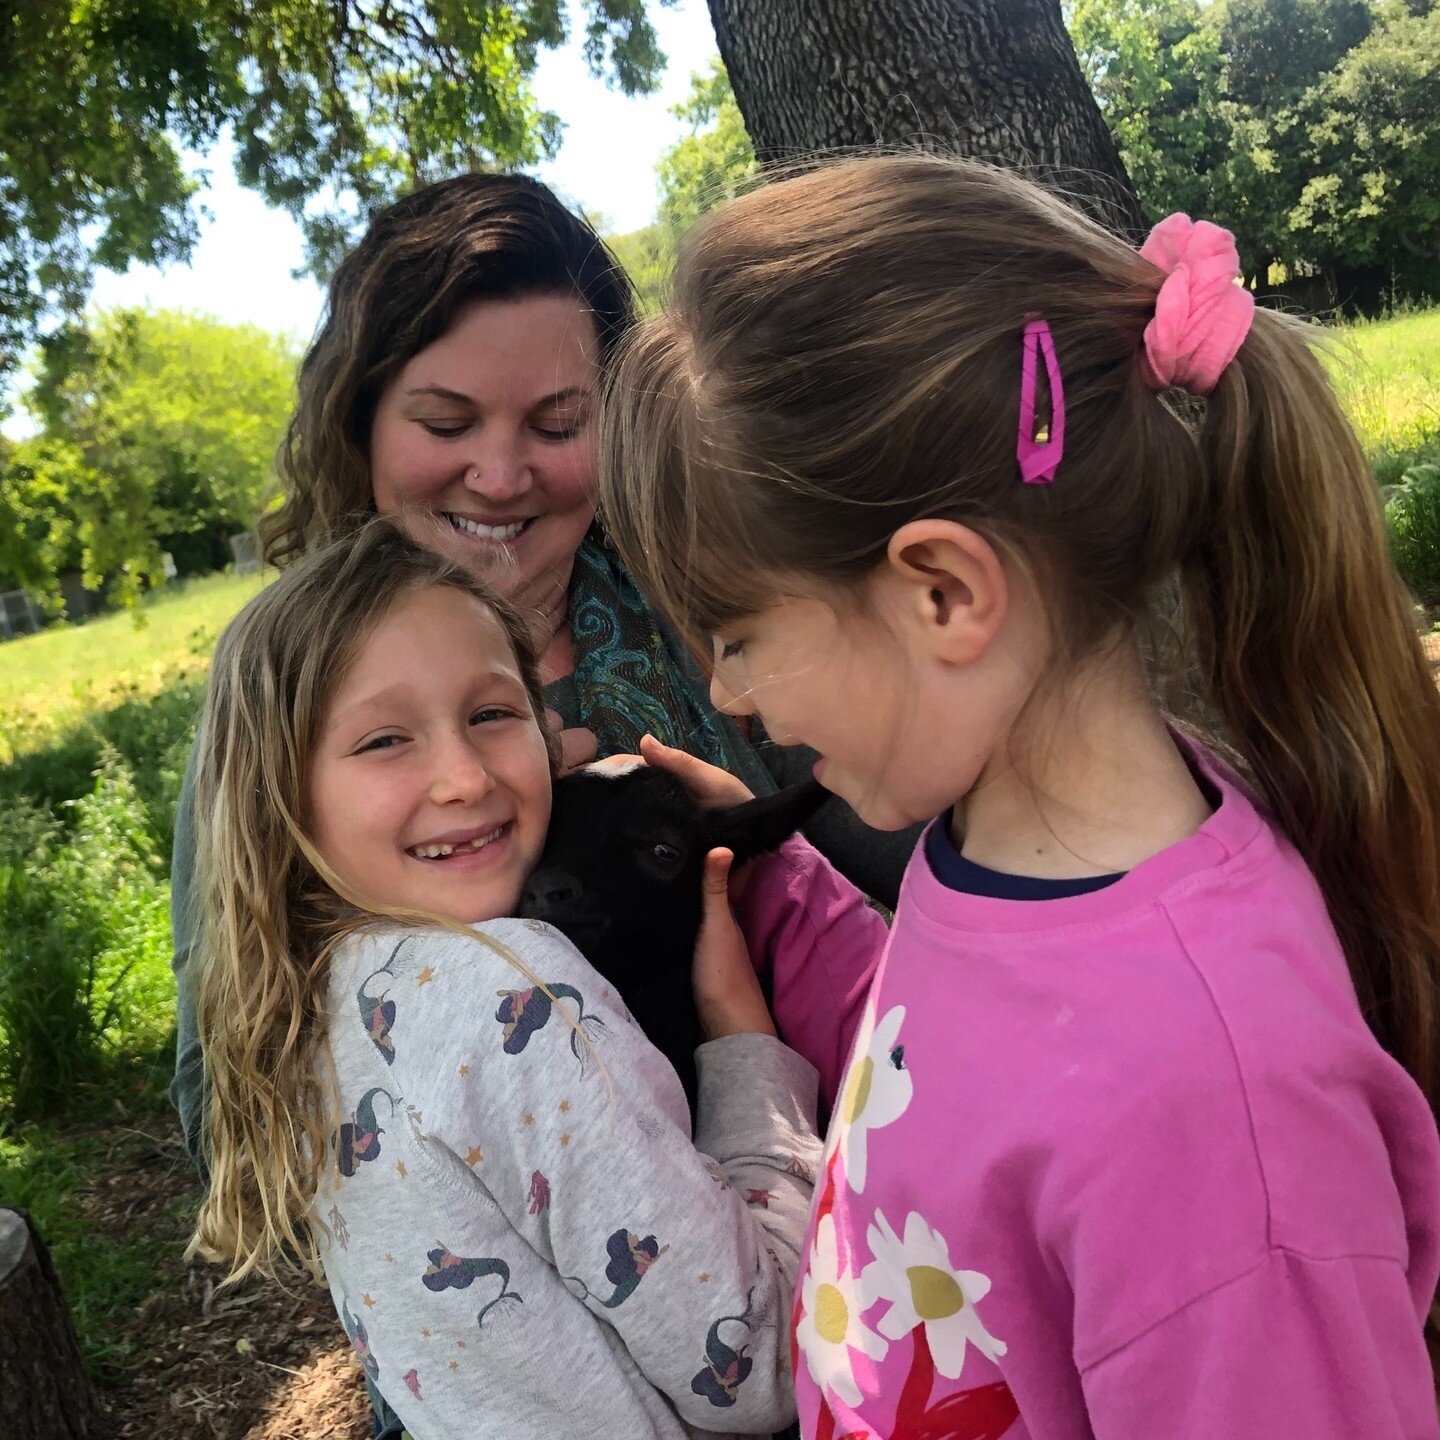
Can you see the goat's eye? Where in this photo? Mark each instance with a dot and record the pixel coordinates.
(666, 854)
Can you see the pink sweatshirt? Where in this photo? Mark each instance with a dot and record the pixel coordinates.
(1126, 1165)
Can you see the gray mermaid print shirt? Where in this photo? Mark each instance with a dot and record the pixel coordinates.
(518, 1232)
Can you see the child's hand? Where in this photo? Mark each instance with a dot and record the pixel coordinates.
(577, 745)
(727, 992)
(709, 784)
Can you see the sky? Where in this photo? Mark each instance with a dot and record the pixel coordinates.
(241, 268)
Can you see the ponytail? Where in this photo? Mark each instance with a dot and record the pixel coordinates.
(1309, 653)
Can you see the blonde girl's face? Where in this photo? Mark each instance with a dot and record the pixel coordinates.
(430, 785)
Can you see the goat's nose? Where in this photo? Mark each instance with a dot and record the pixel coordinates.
(550, 889)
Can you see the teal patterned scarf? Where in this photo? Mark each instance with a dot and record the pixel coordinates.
(633, 674)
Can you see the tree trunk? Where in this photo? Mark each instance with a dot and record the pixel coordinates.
(993, 79)
(45, 1391)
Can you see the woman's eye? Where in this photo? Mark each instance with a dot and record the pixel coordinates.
(729, 649)
(445, 432)
(558, 433)
(490, 714)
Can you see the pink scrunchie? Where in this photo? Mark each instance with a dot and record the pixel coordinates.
(1201, 315)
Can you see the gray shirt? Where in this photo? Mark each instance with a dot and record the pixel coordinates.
(520, 1237)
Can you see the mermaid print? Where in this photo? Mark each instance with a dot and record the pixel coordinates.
(377, 1013)
(630, 1258)
(358, 1141)
(725, 1369)
(360, 1342)
(523, 1012)
(448, 1271)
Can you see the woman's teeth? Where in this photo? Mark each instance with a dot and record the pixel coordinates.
(439, 852)
(486, 532)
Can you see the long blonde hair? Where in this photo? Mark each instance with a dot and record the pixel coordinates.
(842, 356)
(271, 910)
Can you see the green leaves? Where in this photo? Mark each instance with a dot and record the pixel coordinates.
(713, 163)
(336, 106)
(160, 433)
(1309, 127)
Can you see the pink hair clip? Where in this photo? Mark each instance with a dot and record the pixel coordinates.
(1039, 458)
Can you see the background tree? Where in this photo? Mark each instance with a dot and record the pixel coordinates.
(997, 79)
(1309, 127)
(714, 163)
(159, 432)
(336, 105)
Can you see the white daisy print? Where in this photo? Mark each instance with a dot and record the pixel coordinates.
(829, 1326)
(916, 1277)
(877, 1091)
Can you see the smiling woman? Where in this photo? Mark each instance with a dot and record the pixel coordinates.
(453, 383)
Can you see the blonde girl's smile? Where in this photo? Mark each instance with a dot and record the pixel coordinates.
(431, 784)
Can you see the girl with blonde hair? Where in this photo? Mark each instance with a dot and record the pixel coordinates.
(444, 1110)
(1137, 1138)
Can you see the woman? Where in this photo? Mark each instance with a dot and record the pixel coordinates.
(456, 375)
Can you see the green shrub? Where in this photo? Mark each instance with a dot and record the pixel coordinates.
(1413, 510)
(84, 942)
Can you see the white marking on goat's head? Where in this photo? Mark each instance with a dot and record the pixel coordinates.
(614, 767)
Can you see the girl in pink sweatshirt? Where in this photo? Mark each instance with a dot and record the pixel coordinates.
(1023, 529)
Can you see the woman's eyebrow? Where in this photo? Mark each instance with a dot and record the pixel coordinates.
(441, 393)
(572, 392)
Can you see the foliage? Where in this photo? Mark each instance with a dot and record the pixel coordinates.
(1413, 510)
(1311, 128)
(160, 430)
(1373, 128)
(713, 163)
(337, 105)
(84, 946)
(648, 258)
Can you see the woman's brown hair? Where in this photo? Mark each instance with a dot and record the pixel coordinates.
(842, 356)
(272, 910)
(423, 259)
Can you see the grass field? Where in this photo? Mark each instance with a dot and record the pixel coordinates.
(1388, 376)
(70, 671)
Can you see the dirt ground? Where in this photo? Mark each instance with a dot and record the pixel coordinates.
(254, 1364)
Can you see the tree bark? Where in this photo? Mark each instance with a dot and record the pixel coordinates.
(45, 1391)
(994, 79)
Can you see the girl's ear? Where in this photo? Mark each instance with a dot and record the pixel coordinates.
(951, 586)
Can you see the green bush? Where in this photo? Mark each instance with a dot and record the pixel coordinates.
(1413, 510)
(84, 941)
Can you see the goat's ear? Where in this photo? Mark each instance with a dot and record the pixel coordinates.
(764, 823)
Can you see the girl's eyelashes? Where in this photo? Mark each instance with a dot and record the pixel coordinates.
(488, 714)
(378, 742)
(444, 432)
(729, 649)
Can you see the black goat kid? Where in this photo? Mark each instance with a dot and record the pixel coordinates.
(620, 877)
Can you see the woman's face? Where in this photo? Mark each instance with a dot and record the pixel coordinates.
(430, 785)
(490, 430)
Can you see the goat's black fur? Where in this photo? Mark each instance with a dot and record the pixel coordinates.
(620, 876)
